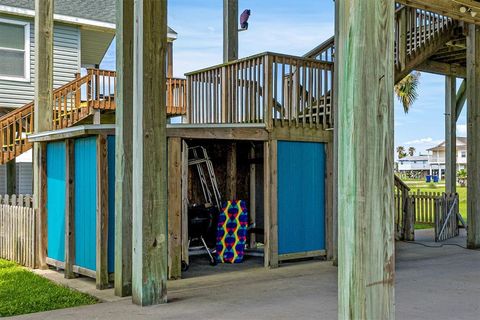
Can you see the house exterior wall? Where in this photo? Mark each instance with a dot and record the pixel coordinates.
(66, 62)
(413, 165)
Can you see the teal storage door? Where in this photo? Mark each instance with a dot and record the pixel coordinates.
(85, 202)
(301, 197)
(56, 200)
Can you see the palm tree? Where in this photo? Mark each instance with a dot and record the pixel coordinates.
(401, 152)
(411, 151)
(406, 90)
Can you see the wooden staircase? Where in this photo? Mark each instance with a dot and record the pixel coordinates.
(72, 103)
(419, 34)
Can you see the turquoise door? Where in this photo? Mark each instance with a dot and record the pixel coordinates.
(85, 202)
(301, 197)
(56, 200)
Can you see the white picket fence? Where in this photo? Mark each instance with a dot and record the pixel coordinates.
(18, 229)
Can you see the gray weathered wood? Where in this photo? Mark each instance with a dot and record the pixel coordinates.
(123, 149)
(473, 133)
(366, 274)
(174, 208)
(450, 134)
(230, 30)
(102, 214)
(231, 192)
(150, 243)
(69, 209)
(184, 178)
(42, 115)
(270, 204)
(335, 150)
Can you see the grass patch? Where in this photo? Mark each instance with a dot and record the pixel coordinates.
(420, 226)
(22, 291)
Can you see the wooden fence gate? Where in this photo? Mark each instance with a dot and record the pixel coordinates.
(446, 216)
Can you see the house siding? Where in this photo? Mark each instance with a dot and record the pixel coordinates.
(66, 62)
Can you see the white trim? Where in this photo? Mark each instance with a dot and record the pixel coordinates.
(59, 17)
(69, 19)
(26, 50)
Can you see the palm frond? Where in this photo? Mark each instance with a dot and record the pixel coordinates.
(406, 90)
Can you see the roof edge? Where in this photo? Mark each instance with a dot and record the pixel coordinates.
(94, 24)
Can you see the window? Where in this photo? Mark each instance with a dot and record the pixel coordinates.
(464, 154)
(14, 50)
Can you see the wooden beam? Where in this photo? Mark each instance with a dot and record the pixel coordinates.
(450, 134)
(329, 201)
(230, 30)
(170, 59)
(42, 115)
(102, 214)
(150, 243)
(69, 208)
(449, 8)
(366, 274)
(231, 192)
(185, 242)
(11, 177)
(335, 149)
(174, 208)
(441, 68)
(123, 149)
(270, 203)
(461, 98)
(473, 133)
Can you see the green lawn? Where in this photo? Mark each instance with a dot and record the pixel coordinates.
(439, 187)
(22, 291)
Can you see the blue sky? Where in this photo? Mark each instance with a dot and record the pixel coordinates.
(292, 27)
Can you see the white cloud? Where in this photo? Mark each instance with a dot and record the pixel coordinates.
(427, 140)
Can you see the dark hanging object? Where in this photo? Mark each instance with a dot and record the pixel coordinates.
(244, 19)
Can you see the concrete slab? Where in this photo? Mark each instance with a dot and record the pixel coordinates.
(431, 283)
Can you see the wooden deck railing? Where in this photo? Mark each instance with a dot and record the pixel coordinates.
(269, 88)
(404, 211)
(176, 96)
(72, 103)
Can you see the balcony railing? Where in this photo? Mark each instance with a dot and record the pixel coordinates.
(274, 89)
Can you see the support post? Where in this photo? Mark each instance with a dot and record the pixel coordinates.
(329, 202)
(366, 275)
(450, 134)
(11, 177)
(170, 59)
(123, 149)
(232, 171)
(230, 30)
(174, 208)
(102, 214)
(270, 203)
(69, 209)
(473, 133)
(150, 243)
(42, 116)
(335, 149)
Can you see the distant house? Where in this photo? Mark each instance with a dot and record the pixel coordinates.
(434, 162)
(436, 156)
(414, 164)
